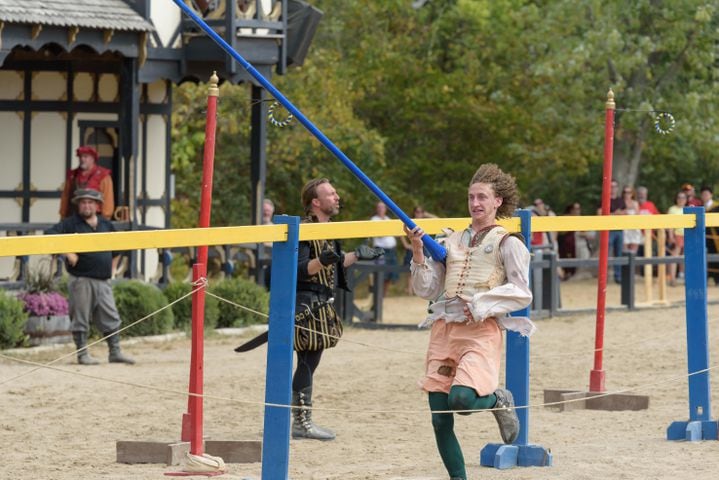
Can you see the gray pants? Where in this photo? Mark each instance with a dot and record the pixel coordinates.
(92, 300)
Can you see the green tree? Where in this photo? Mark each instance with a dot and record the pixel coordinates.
(419, 98)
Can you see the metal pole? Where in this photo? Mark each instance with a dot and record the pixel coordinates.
(437, 251)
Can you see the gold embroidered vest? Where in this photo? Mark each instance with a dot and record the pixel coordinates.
(472, 270)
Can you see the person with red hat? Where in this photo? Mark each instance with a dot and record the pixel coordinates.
(88, 175)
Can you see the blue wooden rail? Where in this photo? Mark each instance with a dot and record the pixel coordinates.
(520, 453)
(699, 426)
(278, 381)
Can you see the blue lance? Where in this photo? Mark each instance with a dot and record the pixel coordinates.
(436, 250)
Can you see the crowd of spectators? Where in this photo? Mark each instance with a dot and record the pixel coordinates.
(627, 200)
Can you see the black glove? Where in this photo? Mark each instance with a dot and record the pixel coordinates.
(364, 252)
(328, 257)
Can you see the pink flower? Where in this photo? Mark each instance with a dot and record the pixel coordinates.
(43, 304)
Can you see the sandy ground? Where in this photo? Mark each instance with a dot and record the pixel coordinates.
(64, 425)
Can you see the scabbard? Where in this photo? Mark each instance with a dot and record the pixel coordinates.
(261, 339)
(253, 343)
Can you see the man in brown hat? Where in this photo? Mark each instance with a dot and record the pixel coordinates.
(89, 286)
(88, 175)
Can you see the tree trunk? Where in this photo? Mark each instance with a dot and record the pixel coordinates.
(628, 157)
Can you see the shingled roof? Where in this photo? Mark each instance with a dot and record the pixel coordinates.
(99, 14)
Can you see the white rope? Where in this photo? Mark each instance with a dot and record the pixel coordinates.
(580, 356)
(356, 411)
(264, 315)
(200, 285)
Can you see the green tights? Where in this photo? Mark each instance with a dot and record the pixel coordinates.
(459, 398)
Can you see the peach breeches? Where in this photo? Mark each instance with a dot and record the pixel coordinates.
(467, 354)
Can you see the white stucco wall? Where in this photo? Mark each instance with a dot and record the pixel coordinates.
(47, 151)
(165, 15)
(11, 153)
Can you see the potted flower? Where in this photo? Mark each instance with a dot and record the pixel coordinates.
(48, 309)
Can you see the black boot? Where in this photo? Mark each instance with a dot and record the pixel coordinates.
(83, 357)
(302, 426)
(116, 355)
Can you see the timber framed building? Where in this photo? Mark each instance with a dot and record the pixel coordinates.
(100, 73)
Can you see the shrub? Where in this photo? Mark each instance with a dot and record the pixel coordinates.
(136, 300)
(12, 321)
(182, 310)
(242, 292)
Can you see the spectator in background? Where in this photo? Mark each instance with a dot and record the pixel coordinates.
(268, 210)
(573, 244)
(91, 297)
(417, 213)
(675, 238)
(712, 246)
(692, 200)
(707, 197)
(616, 237)
(388, 244)
(632, 238)
(543, 240)
(646, 206)
(88, 175)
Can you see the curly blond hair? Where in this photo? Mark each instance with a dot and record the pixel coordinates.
(503, 184)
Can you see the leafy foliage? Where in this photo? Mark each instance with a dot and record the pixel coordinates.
(12, 321)
(182, 310)
(418, 99)
(136, 300)
(245, 293)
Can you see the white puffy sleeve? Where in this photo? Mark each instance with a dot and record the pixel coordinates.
(511, 296)
(427, 278)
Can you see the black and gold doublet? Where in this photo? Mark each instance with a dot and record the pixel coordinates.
(317, 325)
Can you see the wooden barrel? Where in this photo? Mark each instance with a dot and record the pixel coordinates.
(48, 330)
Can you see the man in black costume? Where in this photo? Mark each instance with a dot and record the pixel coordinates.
(320, 270)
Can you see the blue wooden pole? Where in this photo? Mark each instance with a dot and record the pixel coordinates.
(278, 381)
(437, 251)
(517, 353)
(520, 453)
(699, 426)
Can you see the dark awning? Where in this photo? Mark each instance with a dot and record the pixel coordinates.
(94, 14)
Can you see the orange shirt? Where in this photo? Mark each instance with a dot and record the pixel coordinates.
(98, 178)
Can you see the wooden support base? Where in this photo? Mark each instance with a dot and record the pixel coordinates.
(501, 456)
(151, 452)
(231, 451)
(578, 400)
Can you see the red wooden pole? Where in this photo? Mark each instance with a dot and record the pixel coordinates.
(192, 427)
(208, 163)
(199, 271)
(596, 376)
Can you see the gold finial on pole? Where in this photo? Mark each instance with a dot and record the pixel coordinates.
(610, 100)
(214, 90)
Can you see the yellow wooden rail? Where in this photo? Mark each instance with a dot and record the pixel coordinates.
(171, 238)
